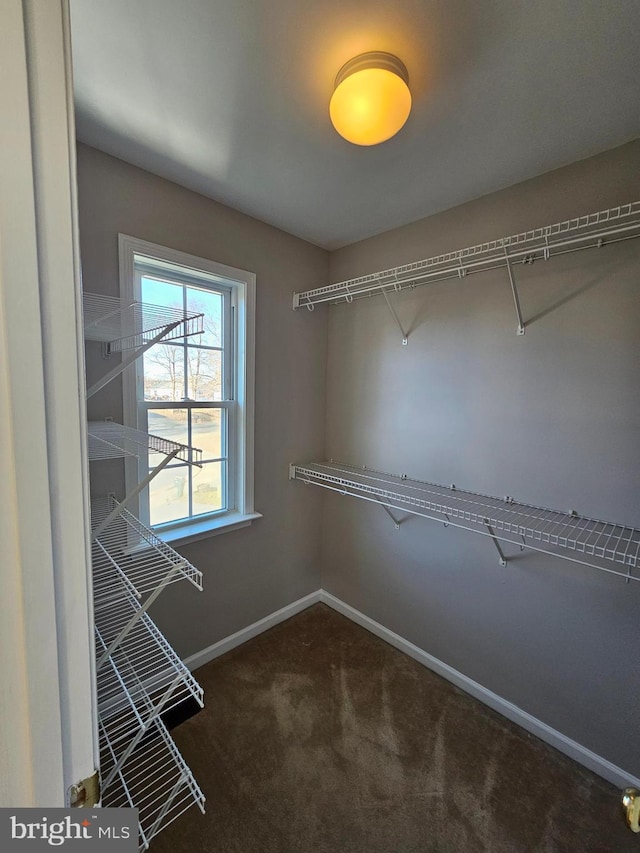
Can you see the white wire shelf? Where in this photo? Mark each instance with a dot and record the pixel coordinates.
(550, 531)
(132, 328)
(127, 557)
(589, 231)
(141, 679)
(139, 676)
(123, 325)
(154, 779)
(143, 673)
(109, 440)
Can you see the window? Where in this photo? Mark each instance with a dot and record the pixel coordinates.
(196, 390)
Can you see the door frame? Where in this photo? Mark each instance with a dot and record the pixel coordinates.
(48, 719)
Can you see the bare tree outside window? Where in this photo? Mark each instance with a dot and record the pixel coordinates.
(184, 379)
(166, 373)
(205, 365)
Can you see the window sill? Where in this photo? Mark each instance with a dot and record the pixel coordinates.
(194, 530)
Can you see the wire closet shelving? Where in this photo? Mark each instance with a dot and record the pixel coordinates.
(593, 230)
(123, 325)
(154, 779)
(140, 679)
(138, 674)
(110, 440)
(128, 557)
(566, 535)
(133, 327)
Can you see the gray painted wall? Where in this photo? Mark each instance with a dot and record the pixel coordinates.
(254, 571)
(551, 418)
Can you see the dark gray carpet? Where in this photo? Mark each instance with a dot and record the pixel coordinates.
(317, 736)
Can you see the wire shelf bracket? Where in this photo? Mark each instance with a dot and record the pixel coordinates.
(593, 230)
(503, 559)
(405, 335)
(601, 545)
(514, 293)
(396, 521)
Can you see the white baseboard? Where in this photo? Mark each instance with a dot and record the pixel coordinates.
(616, 775)
(240, 637)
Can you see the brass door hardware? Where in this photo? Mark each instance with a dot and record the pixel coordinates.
(631, 804)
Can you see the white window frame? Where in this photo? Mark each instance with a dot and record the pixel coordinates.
(242, 285)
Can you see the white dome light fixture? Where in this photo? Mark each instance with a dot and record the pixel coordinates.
(371, 100)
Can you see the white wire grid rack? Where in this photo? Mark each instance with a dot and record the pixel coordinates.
(142, 674)
(141, 679)
(125, 325)
(154, 779)
(589, 231)
(550, 531)
(109, 440)
(127, 557)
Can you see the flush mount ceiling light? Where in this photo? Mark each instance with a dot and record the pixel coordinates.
(371, 99)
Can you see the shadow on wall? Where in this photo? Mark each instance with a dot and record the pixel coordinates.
(423, 310)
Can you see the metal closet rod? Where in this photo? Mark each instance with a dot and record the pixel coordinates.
(591, 231)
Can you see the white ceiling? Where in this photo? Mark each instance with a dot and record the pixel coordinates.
(230, 98)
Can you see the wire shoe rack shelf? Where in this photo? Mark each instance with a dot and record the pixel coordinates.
(110, 440)
(123, 325)
(138, 674)
(131, 328)
(128, 557)
(154, 779)
(601, 545)
(140, 679)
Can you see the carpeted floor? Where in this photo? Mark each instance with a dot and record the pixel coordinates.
(317, 737)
